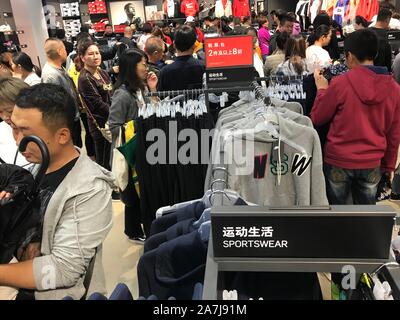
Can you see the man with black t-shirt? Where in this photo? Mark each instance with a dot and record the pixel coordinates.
(78, 208)
(384, 57)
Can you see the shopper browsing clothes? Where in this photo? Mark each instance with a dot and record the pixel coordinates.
(78, 215)
(134, 80)
(273, 61)
(186, 72)
(333, 46)
(95, 89)
(25, 69)
(363, 109)
(54, 73)
(264, 37)
(285, 25)
(295, 58)
(9, 90)
(317, 56)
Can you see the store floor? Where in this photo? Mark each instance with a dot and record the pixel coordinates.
(120, 256)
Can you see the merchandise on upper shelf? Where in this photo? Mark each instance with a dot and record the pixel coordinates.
(72, 27)
(70, 9)
(100, 26)
(97, 7)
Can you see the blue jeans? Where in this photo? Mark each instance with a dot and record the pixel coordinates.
(361, 184)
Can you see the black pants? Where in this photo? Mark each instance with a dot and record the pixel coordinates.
(103, 150)
(133, 219)
(89, 143)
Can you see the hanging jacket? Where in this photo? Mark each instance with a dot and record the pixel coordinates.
(189, 7)
(223, 9)
(173, 268)
(260, 183)
(324, 5)
(368, 9)
(315, 7)
(372, 97)
(295, 178)
(340, 11)
(241, 8)
(171, 8)
(352, 10)
(331, 6)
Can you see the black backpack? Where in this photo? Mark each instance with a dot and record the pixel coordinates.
(20, 215)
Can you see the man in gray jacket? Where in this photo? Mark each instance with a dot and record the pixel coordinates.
(78, 210)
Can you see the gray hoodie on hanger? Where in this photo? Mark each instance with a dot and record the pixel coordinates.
(299, 183)
(77, 221)
(304, 186)
(228, 119)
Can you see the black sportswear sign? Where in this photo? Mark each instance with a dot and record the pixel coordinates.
(347, 232)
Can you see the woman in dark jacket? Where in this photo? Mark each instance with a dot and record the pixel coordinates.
(95, 89)
(134, 80)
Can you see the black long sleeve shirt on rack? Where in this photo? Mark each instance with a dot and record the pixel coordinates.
(163, 183)
(185, 73)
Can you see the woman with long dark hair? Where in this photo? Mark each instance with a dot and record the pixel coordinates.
(295, 58)
(95, 88)
(134, 80)
(23, 67)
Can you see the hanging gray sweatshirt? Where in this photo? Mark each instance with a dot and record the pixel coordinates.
(299, 183)
(228, 119)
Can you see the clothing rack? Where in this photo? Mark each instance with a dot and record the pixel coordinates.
(217, 266)
(300, 77)
(193, 92)
(189, 92)
(259, 91)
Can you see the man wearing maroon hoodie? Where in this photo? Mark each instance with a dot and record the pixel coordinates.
(363, 109)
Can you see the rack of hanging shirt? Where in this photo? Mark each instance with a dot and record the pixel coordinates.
(170, 158)
(174, 259)
(288, 88)
(163, 141)
(283, 165)
(286, 171)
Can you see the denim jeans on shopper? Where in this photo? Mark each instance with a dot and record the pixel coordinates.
(361, 184)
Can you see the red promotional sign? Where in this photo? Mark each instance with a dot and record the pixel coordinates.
(226, 52)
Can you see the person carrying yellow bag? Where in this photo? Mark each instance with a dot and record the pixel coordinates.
(133, 82)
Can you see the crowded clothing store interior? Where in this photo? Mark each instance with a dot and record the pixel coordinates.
(199, 150)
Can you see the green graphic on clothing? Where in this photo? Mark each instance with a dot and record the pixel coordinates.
(284, 165)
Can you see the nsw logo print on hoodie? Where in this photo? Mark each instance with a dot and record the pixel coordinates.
(300, 165)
